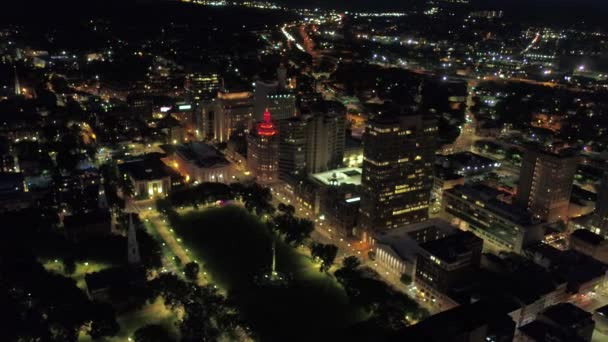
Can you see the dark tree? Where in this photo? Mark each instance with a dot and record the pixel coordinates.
(191, 269)
(326, 253)
(406, 279)
(295, 230)
(104, 322)
(69, 265)
(152, 333)
(150, 250)
(351, 262)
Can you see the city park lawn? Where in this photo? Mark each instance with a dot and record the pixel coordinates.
(236, 249)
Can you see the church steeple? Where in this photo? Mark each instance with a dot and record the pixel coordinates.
(17, 83)
(133, 254)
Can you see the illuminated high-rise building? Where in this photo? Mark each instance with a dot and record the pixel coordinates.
(274, 95)
(202, 85)
(545, 182)
(261, 91)
(292, 148)
(282, 104)
(263, 151)
(228, 115)
(398, 153)
(325, 136)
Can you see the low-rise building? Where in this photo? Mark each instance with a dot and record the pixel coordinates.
(476, 322)
(150, 177)
(339, 206)
(467, 163)
(200, 162)
(504, 226)
(563, 322)
(445, 264)
(398, 249)
(589, 243)
(443, 179)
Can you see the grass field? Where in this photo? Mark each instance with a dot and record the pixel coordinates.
(236, 248)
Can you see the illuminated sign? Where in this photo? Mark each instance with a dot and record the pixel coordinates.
(185, 107)
(165, 109)
(354, 199)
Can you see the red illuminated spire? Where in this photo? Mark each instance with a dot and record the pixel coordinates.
(266, 127)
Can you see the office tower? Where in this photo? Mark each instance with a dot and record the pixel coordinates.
(398, 153)
(503, 226)
(325, 136)
(292, 148)
(228, 115)
(202, 85)
(545, 182)
(282, 104)
(600, 217)
(263, 151)
(260, 97)
(273, 95)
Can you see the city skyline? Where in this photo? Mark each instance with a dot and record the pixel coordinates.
(299, 170)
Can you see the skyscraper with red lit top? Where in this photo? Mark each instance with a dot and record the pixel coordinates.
(263, 151)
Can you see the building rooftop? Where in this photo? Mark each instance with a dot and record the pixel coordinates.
(203, 155)
(451, 247)
(446, 174)
(587, 236)
(468, 162)
(567, 315)
(460, 321)
(540, 331)
(405, 240)
(347, 175)
(147, 168)
(488, 197)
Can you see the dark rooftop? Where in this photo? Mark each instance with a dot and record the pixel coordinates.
(540, 331)
(469, 158)
(567, 314)
(145, 169)
(452, 324)
(587, 236)
(445, 173)
(488, 196)
(450, 248)
(203, 155)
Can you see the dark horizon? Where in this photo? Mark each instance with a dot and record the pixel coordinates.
(554, 12)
